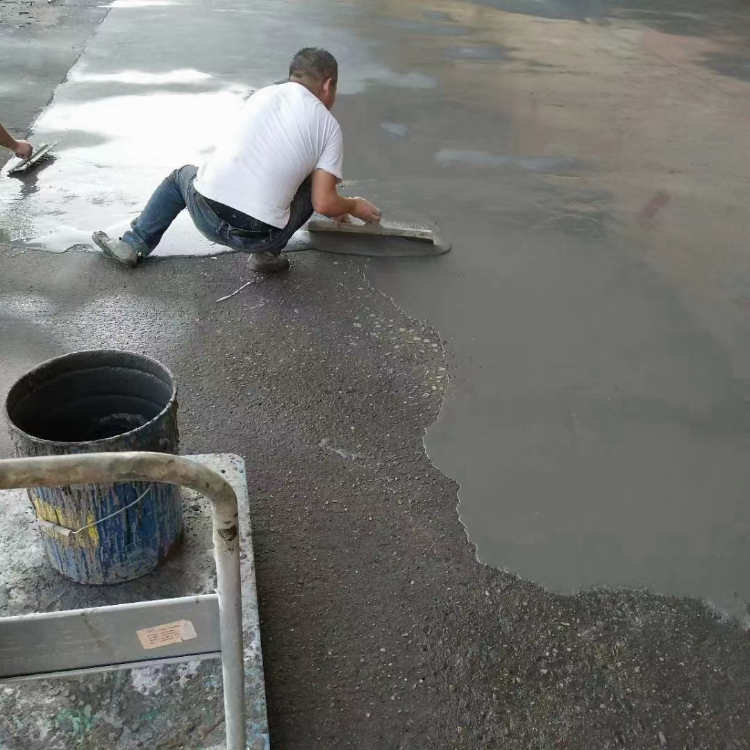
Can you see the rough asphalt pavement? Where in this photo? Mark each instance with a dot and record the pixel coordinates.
(380, 629)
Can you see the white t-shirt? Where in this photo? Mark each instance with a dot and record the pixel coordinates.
(284, 132)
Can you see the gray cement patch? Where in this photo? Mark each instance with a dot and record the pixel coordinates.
(596, 419)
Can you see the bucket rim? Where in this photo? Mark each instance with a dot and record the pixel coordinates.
(88, 443)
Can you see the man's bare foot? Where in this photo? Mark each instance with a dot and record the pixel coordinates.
(116, 249)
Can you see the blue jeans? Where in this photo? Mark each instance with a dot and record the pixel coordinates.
(176, 192)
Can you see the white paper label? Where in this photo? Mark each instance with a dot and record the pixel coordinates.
(166, 635)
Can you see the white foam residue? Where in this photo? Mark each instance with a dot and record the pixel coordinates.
(70, 238)
(186, 75)
(62, 240)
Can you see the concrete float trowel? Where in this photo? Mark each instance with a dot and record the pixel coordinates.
(385, 240)
(21, 166)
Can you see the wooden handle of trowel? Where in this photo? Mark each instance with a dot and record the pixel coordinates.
(380, 230)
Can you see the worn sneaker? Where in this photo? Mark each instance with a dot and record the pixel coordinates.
(116, 249)
(266, 262)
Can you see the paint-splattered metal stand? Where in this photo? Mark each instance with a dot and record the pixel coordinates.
(159, 703)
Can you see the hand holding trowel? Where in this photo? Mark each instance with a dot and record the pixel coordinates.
(28, 155)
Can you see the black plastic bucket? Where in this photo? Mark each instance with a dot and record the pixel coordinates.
(90, 402)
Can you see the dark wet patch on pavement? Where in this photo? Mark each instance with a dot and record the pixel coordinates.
(727, 65)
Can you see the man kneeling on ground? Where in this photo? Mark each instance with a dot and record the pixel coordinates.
(282, 161)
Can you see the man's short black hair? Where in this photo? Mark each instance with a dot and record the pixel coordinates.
(315, 64)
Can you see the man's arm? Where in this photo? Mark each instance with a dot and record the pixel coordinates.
(20, 148)
(327, 201)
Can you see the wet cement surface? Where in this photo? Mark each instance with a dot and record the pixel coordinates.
(380, 628)
(597, 421)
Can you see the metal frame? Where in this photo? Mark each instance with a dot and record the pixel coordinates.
(50, 471)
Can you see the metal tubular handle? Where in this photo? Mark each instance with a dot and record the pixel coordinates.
(86, 468)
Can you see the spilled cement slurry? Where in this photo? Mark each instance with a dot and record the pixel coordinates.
(581, 156)
(595, 301)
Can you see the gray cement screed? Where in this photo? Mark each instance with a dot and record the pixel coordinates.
(179, 706)
(581, 156)
(595, 302)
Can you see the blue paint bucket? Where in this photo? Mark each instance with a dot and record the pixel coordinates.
(91, 402)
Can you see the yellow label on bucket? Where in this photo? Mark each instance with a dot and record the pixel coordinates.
(57, 516)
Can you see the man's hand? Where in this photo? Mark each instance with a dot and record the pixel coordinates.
(366, 211)
(23, 149)
(327, 201)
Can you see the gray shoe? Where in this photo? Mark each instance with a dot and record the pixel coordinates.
(116, 249)
(266, 262)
